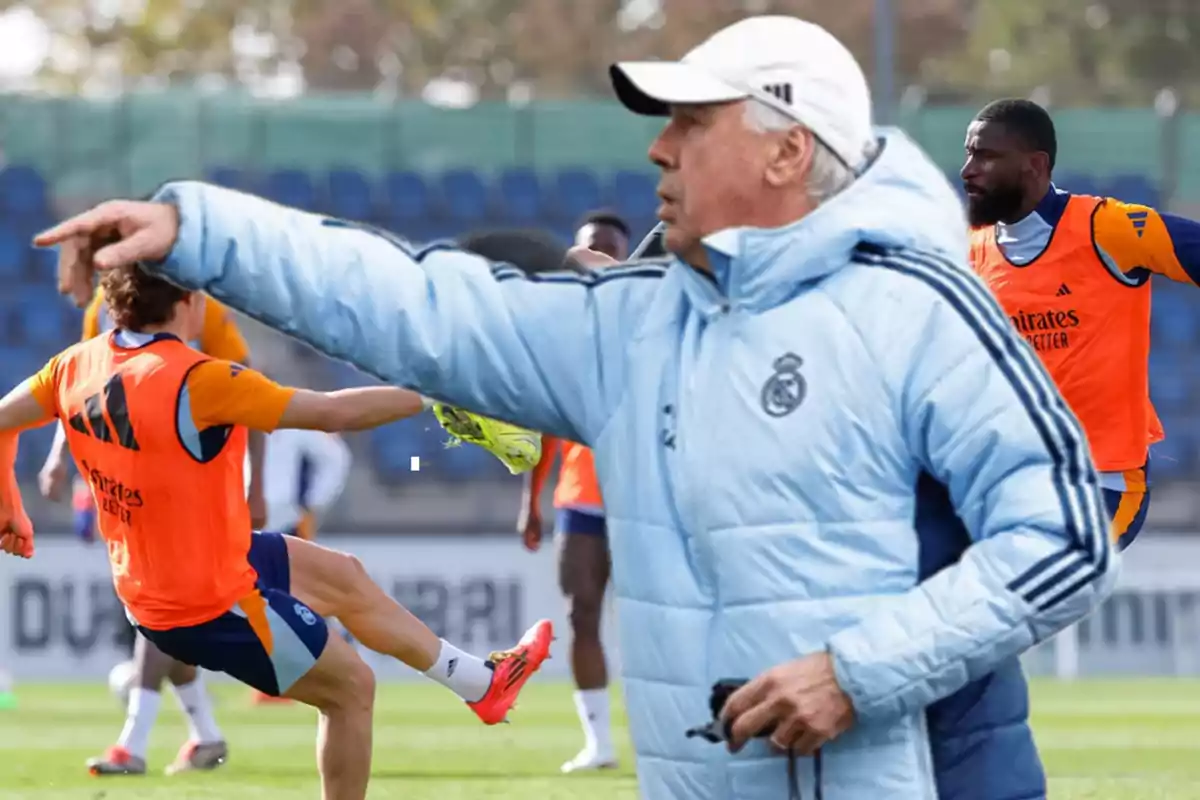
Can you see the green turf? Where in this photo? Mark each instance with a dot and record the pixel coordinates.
(1136, 740)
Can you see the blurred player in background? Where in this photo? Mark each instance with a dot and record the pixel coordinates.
(219, 337)
(1073, 274)
(159, 431)
(304, 474)
(583, 559)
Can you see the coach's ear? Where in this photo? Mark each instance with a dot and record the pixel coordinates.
(530, 250)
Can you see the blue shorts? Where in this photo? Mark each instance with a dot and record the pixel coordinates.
(268, 640)
(1127, 509)
(584, 523)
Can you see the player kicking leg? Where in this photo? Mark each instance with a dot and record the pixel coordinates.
(336, 584)
(159, 431)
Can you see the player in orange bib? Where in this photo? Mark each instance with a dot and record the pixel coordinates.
(583, 558)
(159, 432)
(1073, 274)
(218, 336)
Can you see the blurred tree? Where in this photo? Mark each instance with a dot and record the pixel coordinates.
(1114, 50)
(1110, 51)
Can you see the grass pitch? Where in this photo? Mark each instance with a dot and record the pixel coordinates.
(1127, 740)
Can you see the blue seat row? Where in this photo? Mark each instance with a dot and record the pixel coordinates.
(23, 192)
(36, 317)
(518, 196)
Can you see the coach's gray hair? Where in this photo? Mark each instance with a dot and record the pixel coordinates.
(828, 175)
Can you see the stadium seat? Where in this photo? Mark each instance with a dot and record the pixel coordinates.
(467, 463)
(393, 447)
(634, 195)
(44, 319)
(576, 192)
(407, 198)
(1175, 456)
(1173, 321)
(1171, 389)
(464, 196)
(1077, 183)
(291, 187)
(231, 178)
(350, 195)
(22, 191)
(1132, 189)
(435, 230)
(42, 265)
(519, 196)
(13, 254)
(35, 444)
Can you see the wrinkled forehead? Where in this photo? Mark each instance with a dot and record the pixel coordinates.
(993, 136)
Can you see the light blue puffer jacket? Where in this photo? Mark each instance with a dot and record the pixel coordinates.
(781, 448)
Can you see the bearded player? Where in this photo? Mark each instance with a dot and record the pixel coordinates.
(1073, 274)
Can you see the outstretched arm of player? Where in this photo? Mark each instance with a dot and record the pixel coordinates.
(546, 352)
(981, 417)
(224, 393)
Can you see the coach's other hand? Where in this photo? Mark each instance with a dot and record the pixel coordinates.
(112, 234)
(800, 700)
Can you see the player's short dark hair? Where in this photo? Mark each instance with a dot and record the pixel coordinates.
(1025, 119)
(604, 216)
(137, 300)
(532, 250)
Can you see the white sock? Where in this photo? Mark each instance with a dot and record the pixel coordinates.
(195, 702)
(462, 673)
(139, 721)
(592, 705)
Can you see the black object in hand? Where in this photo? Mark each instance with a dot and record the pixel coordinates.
(715, 731)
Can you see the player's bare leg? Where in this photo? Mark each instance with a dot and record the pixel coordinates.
(335, 584)
(583, 573)
(342, 688)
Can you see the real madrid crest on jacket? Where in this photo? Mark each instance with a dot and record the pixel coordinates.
(781, 444)
(784, 391)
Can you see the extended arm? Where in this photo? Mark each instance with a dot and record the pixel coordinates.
(545, 352)
(223, 393)
(982, 418)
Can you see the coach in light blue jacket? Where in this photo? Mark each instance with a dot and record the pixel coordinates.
(818, 441)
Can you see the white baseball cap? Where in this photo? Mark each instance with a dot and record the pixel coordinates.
(795, 67)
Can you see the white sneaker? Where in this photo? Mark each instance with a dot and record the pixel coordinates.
(587, 761)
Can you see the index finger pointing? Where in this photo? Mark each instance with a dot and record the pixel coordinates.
(84, 224)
